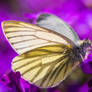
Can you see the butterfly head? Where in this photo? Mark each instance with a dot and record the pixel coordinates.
(86, 48)
(87, 44)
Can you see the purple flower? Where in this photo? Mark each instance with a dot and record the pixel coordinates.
(87, 65)
(4, 88)
(87, 87)
(76, 13)
(12, 82)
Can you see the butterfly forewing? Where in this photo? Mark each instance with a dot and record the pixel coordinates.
(24, 37)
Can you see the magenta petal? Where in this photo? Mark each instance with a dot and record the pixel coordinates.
(84, 88)
(4, 88)
(87, 87)
(87, 65)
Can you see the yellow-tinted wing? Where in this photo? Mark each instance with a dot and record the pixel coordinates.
(46, 66)
(44, 59)
(24, 37)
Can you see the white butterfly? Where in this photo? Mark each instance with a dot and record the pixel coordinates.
(48, 51)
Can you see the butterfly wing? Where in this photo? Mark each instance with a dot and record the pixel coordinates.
(52, 22)
(42, 58)
(24, 37)
(45, 66)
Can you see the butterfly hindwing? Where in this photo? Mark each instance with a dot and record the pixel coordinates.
(46, 66)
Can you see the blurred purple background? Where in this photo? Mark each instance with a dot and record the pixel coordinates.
(77, 13)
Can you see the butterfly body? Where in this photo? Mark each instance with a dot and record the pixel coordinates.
(46, 56)
(81, 52)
